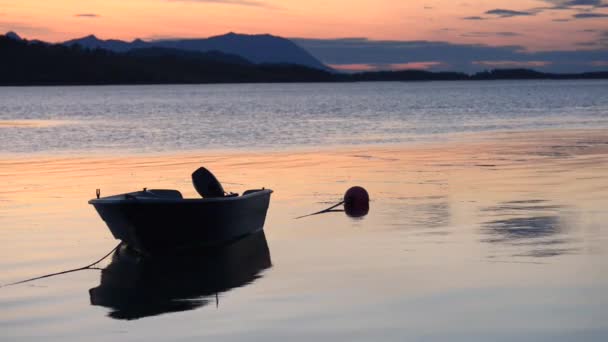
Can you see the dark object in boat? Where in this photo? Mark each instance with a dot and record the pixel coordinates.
(160, 221)
(135, 287)
(206, 184)
(356, 202)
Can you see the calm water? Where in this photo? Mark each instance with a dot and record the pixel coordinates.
(281, 116)
(495, 235)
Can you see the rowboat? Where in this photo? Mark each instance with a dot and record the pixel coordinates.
(161, 221)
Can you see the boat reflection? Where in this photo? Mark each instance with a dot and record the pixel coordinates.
(135, 287)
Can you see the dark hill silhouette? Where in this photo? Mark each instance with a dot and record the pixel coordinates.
(256, 48)
(527, 74)
(25, 62)
(259, 49)
(12, 35)
(92, 42)
(209, 56)
(509, 74)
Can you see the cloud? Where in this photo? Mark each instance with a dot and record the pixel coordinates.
(490, 34)
(506, 13)
(252, 3)
(512, 64)
(573, 3)
(354, 67)
(447, 56)
(414, 65)
(584, 8)
(379, 66)
(590, 15)
(87, 15)
(600, 39)
(581, 6)
(588, 44)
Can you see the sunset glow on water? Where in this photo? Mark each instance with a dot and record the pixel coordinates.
(501, 239)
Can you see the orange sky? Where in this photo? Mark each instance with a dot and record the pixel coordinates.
(58, 20)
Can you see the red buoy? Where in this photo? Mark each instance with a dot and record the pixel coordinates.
(356, 202)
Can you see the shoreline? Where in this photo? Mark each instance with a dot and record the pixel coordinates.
(488, 80)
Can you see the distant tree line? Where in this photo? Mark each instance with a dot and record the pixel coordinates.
(23, 63)
(37, 63)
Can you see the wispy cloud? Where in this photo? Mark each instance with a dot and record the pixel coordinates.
(252, 3)
(87, 15)
(379, 66)
(599, 39)
(490, 34)
(354, 67)
(415, 65)
(512, 64)
(590, 15)
(574, 3)
(506, 13)
(584, 9)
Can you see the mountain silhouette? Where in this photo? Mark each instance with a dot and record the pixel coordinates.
(92, 42)
(258, 49)
(12, 35)
(209, 56)
(24, 62)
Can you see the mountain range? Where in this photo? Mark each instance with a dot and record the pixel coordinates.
(258, 49)
(24, 62)
(90, 60)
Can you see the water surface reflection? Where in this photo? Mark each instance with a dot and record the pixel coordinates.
(534, 227)
(135, 287)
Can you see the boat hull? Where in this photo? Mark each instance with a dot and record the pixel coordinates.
(160, 226)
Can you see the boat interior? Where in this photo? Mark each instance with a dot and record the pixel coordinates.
(205, 183)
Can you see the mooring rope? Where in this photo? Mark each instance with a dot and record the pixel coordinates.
(88, 267)
(322, 211)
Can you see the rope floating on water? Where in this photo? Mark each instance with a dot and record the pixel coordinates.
(88, 267)
(323, 211)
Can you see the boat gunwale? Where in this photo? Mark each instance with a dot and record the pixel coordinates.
(152, 200)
